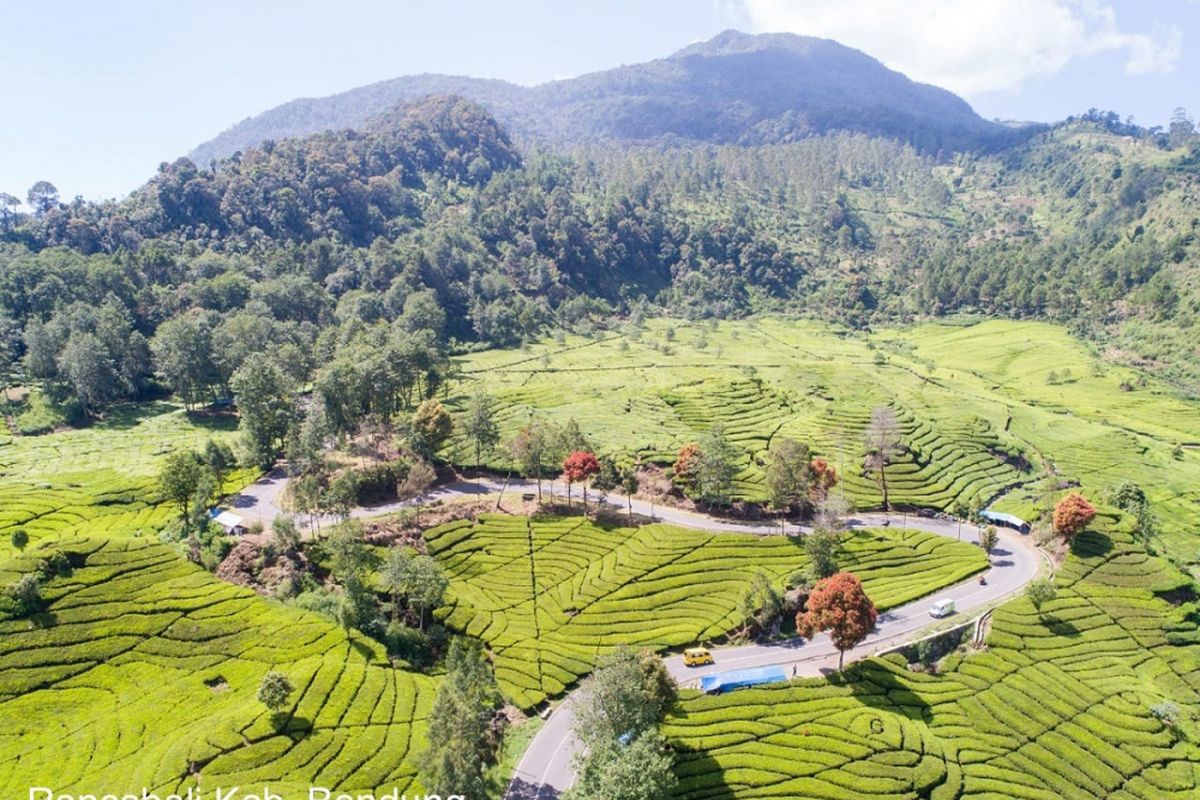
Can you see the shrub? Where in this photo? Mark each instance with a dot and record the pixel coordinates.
(1167, 713)
(408, 644)
(26, 595)
(19, 538)
(274, 690)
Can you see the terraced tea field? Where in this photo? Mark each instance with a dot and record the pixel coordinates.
(143, 672)
(97, 481)
(655, 586)
(977, 411)
(1058, 706)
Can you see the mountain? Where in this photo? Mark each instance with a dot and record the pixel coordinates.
(733, 89)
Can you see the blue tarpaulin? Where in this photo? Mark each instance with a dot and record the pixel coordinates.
(1007, 520)
(739, 679)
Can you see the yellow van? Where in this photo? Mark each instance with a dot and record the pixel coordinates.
(697, 657)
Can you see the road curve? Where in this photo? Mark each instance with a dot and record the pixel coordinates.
(547, 767)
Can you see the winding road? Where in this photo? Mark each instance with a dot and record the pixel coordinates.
(547, 768)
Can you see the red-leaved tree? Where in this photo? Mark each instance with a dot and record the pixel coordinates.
(577, 468)
(824, 478)
(839, 605)
(1072, 515)
(685, 464)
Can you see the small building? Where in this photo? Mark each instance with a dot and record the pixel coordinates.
(1006, 520)
(231, 523)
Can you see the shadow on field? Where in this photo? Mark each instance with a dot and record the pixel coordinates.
(1059, 627)
(44, 619)
(127, 416)
(296, 727)
(1091, 543)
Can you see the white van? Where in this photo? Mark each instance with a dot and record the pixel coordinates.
(942, 608)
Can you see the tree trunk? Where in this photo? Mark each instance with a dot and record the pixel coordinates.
(629, 501)
(883, 483)
(585, 499)
(568, 494)
(841, 659)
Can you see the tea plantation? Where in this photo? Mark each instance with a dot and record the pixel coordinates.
(551, 595)
(987, 410)
(100, 480)
(142, 671)
(1058, 706)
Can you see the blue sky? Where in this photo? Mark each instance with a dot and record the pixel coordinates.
(99, 93)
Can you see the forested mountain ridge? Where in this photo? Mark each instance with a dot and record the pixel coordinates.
(429, 229)
(733, 89)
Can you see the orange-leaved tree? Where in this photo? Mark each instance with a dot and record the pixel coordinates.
(578, 467)
(839, 605)
(1072, 515)
(686, 463)
(824, 478)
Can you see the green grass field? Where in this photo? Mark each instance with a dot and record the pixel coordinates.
(655, 586)
(1058, 706)
(100, 480)
(143, 672)
(973, 401)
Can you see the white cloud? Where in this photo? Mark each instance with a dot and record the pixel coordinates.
(974, 46)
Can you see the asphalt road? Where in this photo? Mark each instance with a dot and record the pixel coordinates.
(547, 767)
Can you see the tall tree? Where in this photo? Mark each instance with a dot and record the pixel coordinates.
(419, 480)
(716, 467)
(42, 197)
(821, 547)
(577, 468)
(352, 562)
(462, 740)
(988, 538)
(88, 368)
(685, 468)
(530, 449)
(479, 424)
(839, 605)
(8, 211)
(179, 479)
(266, 403)
(824, 478)
(625, 696)
(432, 425)
(183, 354)
(789, 475)
(883, 444)
(637, 769)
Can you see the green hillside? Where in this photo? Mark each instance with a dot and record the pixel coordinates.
(1057, 706)
(656, 586)
(980, 419)
(100, 480)
(142, 671)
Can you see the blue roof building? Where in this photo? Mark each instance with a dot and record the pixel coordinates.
(1007, 520)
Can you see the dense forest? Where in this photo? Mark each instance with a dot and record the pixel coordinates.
(381, 250)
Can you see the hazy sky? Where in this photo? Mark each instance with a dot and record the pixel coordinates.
(97, 94)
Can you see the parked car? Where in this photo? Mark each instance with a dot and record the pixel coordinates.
(942, 608)
(697, 657)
